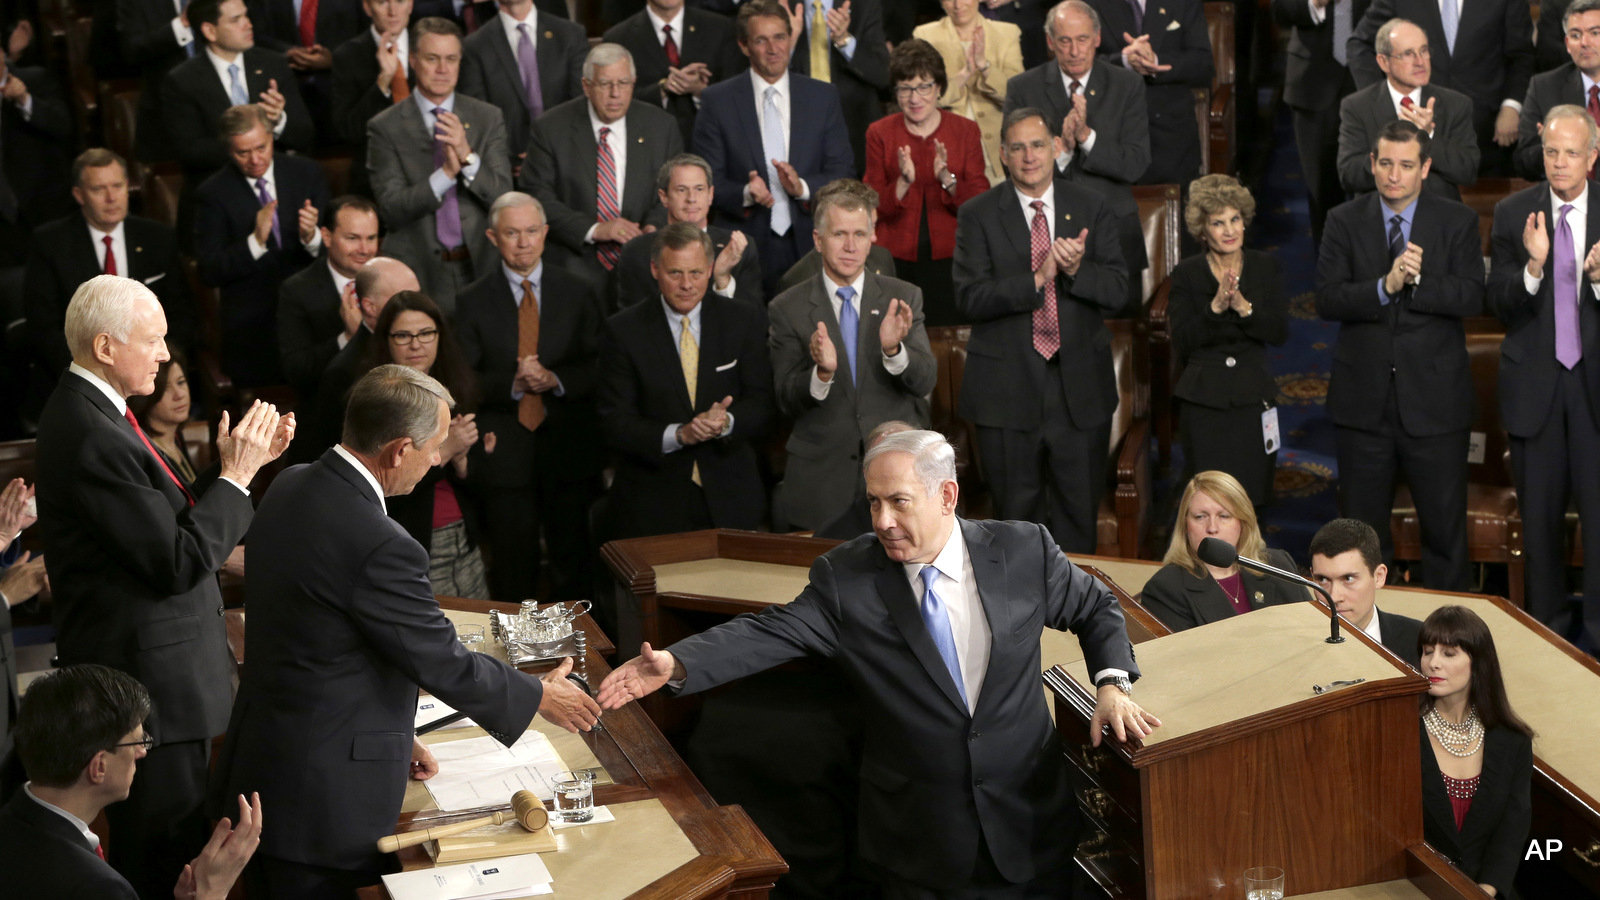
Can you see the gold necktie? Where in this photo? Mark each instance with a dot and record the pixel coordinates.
(819, 43)
(689, 356)
(530, 409)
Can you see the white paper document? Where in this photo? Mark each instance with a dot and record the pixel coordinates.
(482, 772)
(431, 709)
(484, 879)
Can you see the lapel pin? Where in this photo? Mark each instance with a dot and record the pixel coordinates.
(1091, 93)
(138, 249)
(875, 312)
(641, 140)
(551, 34)
(1161, 10)
(258, 71)
(1260, 596)
(1069, 217)
(691, 27)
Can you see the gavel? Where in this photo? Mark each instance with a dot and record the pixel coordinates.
(526, 810)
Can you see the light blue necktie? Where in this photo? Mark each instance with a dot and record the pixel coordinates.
(236, 86)
(937, 619)
(772, 144)
(1450, 12)
(849, 324)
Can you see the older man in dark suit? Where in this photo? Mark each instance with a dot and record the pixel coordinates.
(1405, 93)
(1399, 269)
(332, 578)
(679, 51)
(101, 239)
(133, 557)
(255, 225)
(937, 620)
(844, 46)
(318, 311)
(1037, 266)
(371, 73)
(530, 333)
(526, 62)
(1576, 80)
(593, 162)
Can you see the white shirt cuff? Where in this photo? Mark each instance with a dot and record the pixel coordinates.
(469, 168)
(182, 32)
(1514, 104)
(805, 190)
(440, 182)
(733, 285)
(820, 388)
(669, 439)
(1530, 283)
(897, 363)
(1104, 672)
(588, 236)
(257, 249)
(235, 484)
(283, 121)
(1319, 14)
(313, 246)
(1088, 145)
(343, 339)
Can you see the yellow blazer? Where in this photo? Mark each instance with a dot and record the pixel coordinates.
(984, 96)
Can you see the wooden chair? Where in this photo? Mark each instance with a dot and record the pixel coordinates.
(336, 169)
(119, 115)
(162, 185)
(1161, 216)
(1217, 129)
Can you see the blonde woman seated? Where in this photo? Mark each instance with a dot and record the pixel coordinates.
(1187, 592)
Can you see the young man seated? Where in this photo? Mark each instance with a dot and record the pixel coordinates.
(1346, 561)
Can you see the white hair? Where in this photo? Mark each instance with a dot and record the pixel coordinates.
(933, 459)
(105, 304)
(607, 55)
(511, 200)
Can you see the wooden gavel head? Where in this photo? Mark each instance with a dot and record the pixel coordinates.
(530, 811)
(525, 808)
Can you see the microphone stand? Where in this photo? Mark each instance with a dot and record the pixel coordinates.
(1333, 629)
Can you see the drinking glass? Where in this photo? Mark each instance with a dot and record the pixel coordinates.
(1263, 883)
(574, 795)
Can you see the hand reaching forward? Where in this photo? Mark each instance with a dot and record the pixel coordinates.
(1114, 708)
(564, 703)
(638, 677)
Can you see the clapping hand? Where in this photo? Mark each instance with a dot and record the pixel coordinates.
(759, 193)
(213, 872)
(728, 259)
(272, 101)
(1068, 252)
(459, 439)
(350, 310)
(308, 223)
(264, 218)
(941, 161)
(838, 20)
(823, 353)
(1591, 262)
(895, 326)
(708, 425)
(908, 169)
(789, 179)
(1226, 286)
(1406, 269)
(253, 443)
(1536, 240)
(1420, 115)
(1140, 57)
(638, 677)
(17, 511)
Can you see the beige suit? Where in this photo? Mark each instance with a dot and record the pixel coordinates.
(983, 97)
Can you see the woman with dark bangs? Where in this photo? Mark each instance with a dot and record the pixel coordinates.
(1477, 756)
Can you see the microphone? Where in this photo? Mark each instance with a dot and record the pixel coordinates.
(1223, 555)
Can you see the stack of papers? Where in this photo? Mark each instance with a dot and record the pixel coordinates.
(489, 879)
(479, 772)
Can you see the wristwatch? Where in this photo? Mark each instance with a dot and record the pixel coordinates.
(1120, 682)
(952, 185)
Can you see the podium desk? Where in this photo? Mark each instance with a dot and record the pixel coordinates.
(670, 841)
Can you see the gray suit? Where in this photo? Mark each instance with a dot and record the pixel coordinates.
(828, 439)
(400, 158)
(1455, 146)
(562, 171)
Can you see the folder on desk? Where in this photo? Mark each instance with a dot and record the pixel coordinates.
(490, 879)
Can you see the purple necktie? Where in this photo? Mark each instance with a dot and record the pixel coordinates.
(265, 198)
(447, 221)
(1138, 15)
(1568, 347)
(528, 65)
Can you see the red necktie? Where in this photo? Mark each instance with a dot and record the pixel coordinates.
(100, 851)
(308, 22)
(111, 257)
(132, 420)
(469, 18)
(671, 46)
(1405, 103)
(1594, 113)
(1046, 322)
(608, 252)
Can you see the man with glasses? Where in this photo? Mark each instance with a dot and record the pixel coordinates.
(1574, 81)
(1404, 93)
(593, 161)
(80, 734)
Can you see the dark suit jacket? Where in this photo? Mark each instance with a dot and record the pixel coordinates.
(727, 134)
(1454, 148)
(63, 257)
(343, 630)
(133, 567)
(562, 171)
(995, 772)
(1182, 601)
(1169, 95)
(859, 80)
(37, 149)
(1313, 80)
(8, 661)
(145, 30)
(1224, 357)
(631, 281)
(1418, 336)
(1550, 44)
(567, 445)
(1400, 637)
(642, 391)
(879, 262)
(325, 425)
(994, 289)
(1493, 58)
(709, 40)
(1528, 367)
(489, 71)
(193, 99)
(225, 217)
(356, 99)
(1546, 91)
(1490, 843)
(277, 29)
(44, 856)
(309, 325)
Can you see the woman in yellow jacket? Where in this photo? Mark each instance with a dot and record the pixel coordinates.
(980, 56)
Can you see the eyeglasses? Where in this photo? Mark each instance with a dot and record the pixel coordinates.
(147, 742)
(614, 87)
(1412, 55)
(925, 90)
(421, 337)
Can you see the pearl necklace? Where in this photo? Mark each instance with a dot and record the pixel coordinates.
(1457, 740)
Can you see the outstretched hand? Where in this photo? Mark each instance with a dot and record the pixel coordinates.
(638, 677)
(564, 703)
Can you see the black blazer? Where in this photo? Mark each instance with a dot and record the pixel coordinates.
(44, 856)
(1546, 91)
(1313, 80)
(1418, 336)
(1183, 601)
(1528, 367)
(1400, 635)
(631, 281)
(994, 775)
(225, 217)
(489, 71)
(1224, 357)
(567, 445)
(193, 99)
(1493, 58)
(642, 391)
(859, 80)
(1490, 843)
(324, 427)
(277, 29)
(1454, 148)
(38, 149)
(144, 28)
(356, 99)
(994, 290)
(343, 630)
(414, 511)
(309, 324)
(63, 257)
(132, 565)
(709, 40)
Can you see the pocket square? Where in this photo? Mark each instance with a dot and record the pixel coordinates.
(726, 366)
(1173, 26)
(155, 278)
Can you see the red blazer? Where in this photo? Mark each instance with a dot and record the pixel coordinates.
(900, 220)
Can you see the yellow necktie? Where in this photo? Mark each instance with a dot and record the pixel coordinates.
(689, 356)
(819, 43)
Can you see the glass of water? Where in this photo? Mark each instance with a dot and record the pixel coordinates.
(574, 795)
(470, 635)
(1263, 883)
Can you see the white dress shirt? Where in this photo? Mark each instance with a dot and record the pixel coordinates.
(1049, 210)
(1395, 97)
(617, 140)
(119, 247)
(402, 46)
(439, 181)
(288, 219)
(894, 365)
(513, 36)
(1372, 630)
(677, 27)
(365, 473)
(221, 66)
(1087, 146)
(780, 100)
(957, 587)
(82, 826)
(182, 32)
(1578, 222)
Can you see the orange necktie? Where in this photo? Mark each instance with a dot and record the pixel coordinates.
(530, 409)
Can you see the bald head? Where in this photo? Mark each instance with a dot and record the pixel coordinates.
(381, 278)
